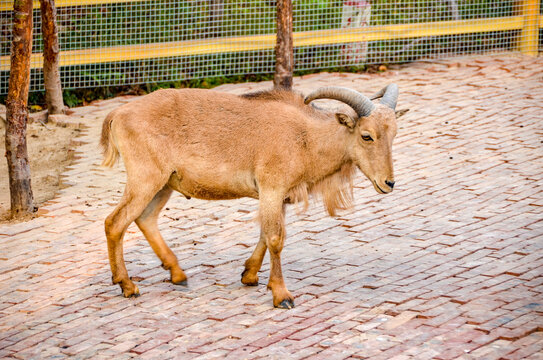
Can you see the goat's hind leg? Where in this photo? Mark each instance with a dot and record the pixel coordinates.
(131, 206)
(147, 222)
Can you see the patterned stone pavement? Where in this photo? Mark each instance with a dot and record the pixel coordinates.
(447, 266)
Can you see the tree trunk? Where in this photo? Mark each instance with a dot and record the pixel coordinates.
(51, 74)
(16, 110)
(284, 52)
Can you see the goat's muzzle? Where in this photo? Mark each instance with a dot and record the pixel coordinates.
(382, 189)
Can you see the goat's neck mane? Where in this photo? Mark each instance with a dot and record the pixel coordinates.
(336, 190)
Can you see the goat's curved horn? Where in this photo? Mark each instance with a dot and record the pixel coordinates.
(389, 95)
(360, 103)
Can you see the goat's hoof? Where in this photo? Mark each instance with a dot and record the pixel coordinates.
(131, 292)
(286, 304)
(182, 282)
(178, 276)
(247, 279)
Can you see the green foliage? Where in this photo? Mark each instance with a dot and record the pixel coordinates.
(80, 97)
(70, 98)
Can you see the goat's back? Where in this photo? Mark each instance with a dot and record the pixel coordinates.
(213, 120)
(214, 134)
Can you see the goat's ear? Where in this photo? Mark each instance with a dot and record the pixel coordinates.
(345, 120)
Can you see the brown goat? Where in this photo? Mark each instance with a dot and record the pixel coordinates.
(271, 146)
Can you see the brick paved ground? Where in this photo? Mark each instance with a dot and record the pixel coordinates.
(447, 266)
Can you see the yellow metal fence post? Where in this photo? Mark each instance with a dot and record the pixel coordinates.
(529, 36)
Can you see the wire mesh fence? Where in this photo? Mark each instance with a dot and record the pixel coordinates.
(122, 42)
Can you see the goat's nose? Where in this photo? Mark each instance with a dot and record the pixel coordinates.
(390, 183)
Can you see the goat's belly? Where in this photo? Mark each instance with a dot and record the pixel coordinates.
(214, 187)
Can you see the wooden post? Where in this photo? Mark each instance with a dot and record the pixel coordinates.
(529, 36)
(51, 74)
(17, 113)
(284, 51)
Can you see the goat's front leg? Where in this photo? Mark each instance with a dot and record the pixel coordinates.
(273, 233)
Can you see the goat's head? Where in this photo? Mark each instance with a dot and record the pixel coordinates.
(372, 131)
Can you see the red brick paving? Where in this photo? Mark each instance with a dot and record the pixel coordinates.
(448, 266)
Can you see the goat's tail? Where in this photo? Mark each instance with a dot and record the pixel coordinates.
(110, 151)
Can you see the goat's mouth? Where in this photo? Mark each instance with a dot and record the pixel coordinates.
(379, 189)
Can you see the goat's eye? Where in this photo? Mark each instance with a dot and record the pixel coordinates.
(366, 138)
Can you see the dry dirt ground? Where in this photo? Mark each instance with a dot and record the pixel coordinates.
(50, 150)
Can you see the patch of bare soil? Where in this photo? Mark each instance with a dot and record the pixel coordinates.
(50, 150)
